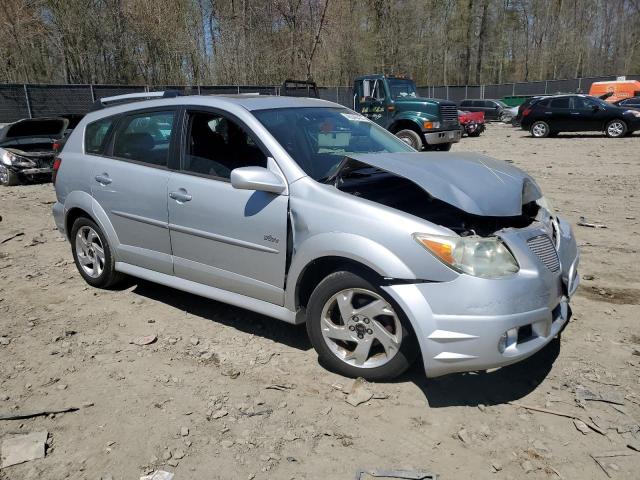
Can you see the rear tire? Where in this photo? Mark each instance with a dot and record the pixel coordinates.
(92, 254)
(540, 129)
(350, 346)
(411, 138)
(474, 134)
(615, 129)
(8, 177)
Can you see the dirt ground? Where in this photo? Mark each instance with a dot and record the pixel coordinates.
(227, 394)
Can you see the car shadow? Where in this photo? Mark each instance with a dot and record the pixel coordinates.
(245, 321)
(488, 388)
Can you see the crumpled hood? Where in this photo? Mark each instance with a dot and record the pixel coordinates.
(474, 183)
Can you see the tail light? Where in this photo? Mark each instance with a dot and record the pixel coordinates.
(526, 112)
(56, 166)
(56, 146)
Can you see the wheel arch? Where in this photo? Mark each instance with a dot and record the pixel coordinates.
(405, 124)
(78, 204)
(313, 259)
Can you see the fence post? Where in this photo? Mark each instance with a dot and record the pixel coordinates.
(546, 83)
(26, 96)
(199, 90)
(579, 84)
(466, 91)
(447, 92)
(93, 95)
(513, 90)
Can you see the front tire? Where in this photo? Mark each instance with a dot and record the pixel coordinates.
(92, 254)
(357, 330)
(616, 129)
(411, 138)
(540, 129)
(8, 177)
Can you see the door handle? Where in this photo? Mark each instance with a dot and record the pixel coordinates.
(103, 179)
(180, 196)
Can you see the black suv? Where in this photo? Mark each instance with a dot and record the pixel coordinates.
(578, 113)
(492, 109)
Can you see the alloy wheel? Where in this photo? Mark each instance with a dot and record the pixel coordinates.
(539, 130)
(90, 251)
(361, 328)
(615, 129)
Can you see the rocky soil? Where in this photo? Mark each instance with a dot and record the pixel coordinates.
(227, 394)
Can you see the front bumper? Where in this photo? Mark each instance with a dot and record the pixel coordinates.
(459, 323)
(445, 136)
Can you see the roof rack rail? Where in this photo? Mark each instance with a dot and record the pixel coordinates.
(132, 97)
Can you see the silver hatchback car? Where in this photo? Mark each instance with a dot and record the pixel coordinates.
(305, 211)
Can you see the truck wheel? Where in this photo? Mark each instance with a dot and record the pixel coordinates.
(8, 178)
(410, 138)
(357, 331)
(615, 129)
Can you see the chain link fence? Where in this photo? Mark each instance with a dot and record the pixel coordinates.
(28, 101)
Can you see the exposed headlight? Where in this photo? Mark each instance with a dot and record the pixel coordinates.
(9, 158)
(477, 256)
(635, 113)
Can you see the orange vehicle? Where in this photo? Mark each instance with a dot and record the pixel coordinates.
(619, 89)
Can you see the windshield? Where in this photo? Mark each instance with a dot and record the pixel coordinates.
(502, 104)
(402, 88)
(319, 138)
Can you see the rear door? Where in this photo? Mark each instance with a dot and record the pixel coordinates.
(130, 183)
(235, 240)
(557, 114)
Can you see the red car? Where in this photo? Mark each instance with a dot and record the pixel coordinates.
(472, 123)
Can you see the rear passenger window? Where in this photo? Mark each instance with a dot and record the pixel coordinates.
(144, 138)
(95, 135)
(560, 102)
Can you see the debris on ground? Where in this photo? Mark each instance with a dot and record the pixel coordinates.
(590, 425)
(36, 413)
(24, 447)
(144, 340)
(359, 393)
(401, 474)
(158, 475)
(581, 426)
(583, 223)
(15, 235)
(583, 395)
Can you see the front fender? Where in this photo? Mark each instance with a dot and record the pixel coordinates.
(417, 118)
(84, 201)
(350, 246)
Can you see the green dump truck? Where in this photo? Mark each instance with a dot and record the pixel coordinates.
(392, 102)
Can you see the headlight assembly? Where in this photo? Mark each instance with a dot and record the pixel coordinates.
(9, 158)
(473, 255)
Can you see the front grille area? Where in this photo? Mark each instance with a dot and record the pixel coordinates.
(543, 247)
(449, 114)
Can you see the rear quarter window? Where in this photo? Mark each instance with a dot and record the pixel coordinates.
(562, 102)
(96, 134)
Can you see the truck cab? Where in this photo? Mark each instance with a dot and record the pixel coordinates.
(391, 101)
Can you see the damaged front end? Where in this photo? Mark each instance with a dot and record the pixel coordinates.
(27, 164)
(516, 259)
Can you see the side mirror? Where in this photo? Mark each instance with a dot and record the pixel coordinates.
(256, 178)
(595, 108)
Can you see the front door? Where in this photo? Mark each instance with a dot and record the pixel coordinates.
(129, 181)
(372, 101)
(232, 239)
(558, 115)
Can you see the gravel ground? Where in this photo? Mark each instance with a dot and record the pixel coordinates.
(225, 393)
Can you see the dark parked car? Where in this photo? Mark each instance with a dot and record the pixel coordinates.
(515, 121)
(578, 113)
(27, 148)
(492, 109)
(632, 103)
